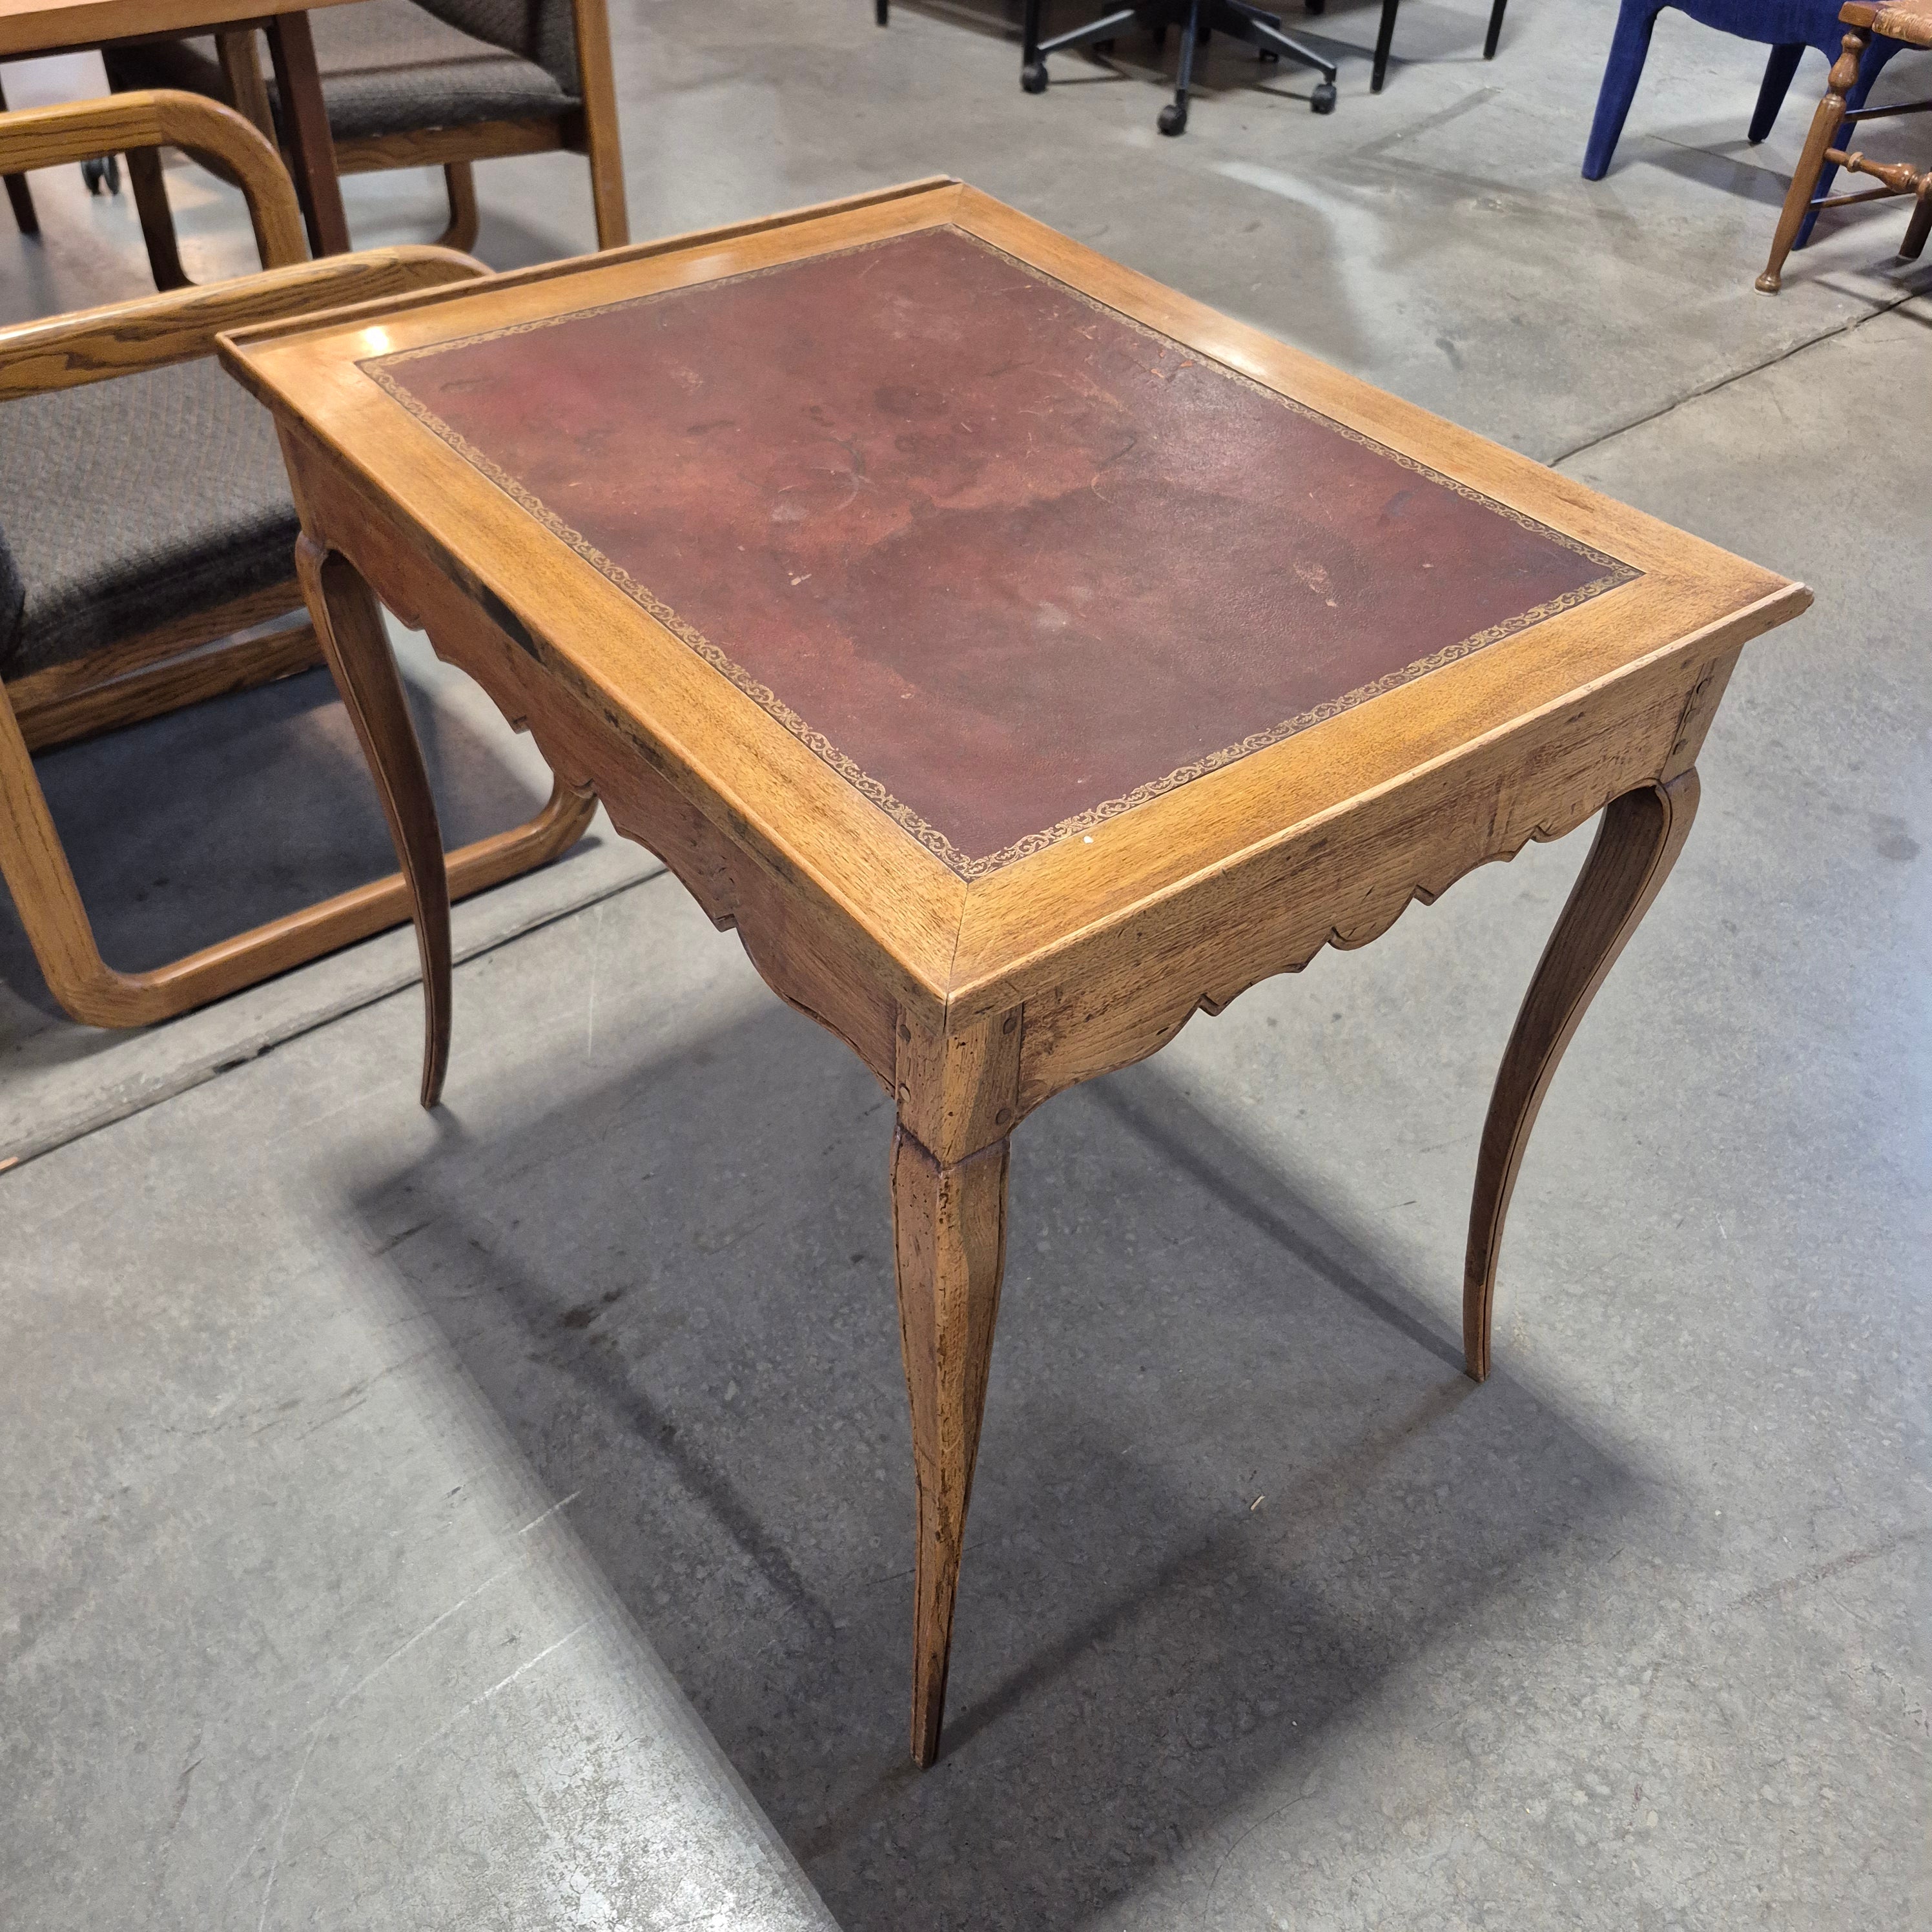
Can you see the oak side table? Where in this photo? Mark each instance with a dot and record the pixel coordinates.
(1019, 655)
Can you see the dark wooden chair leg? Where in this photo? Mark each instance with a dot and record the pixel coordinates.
(1920, 226)
(311, 148)
(1637, 843)
(1384, 40)
(157, 221)
(20, 196)
(948, 1243)
(460, 179)
(349, 622)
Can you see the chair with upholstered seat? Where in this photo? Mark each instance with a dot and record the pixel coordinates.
(415, 83)
(144, 517)
(1788, 27)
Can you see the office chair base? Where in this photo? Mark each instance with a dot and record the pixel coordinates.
(1198, 20)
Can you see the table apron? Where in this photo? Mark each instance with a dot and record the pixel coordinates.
(1120, 993)
(811, 953)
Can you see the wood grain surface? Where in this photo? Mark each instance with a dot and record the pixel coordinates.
(974, 998)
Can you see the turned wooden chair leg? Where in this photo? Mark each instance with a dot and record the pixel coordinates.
(460, 179)
(1825, 123)
(349, 621)
(1919, 227)
(949, 1241)
(1637, 843)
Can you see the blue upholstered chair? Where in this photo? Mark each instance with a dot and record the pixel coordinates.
(1788, 27)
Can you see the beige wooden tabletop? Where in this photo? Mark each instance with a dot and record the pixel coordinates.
(49, 26)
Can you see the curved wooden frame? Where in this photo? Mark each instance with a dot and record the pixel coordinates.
(166, 668)
(974, 1001)
(137, 123)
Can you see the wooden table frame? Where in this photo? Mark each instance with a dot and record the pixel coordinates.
(31, 29)
(972, 1001)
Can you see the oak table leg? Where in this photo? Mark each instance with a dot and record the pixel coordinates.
(1637, 843)
(949, 1245)
(349, 622)
(305, 122)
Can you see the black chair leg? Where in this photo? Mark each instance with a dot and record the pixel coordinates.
(882, 10)
(1034, 50)
(1264, 30)
(1496, 32)
(1384, 40)
(1173, 118)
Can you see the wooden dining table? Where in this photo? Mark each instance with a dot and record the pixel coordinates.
(1021, 657)
(31, 29)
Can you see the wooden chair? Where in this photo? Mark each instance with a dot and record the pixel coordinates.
(1905, 22)
(415, 83)
(144, 516)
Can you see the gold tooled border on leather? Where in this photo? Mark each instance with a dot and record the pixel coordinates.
(1615, 572)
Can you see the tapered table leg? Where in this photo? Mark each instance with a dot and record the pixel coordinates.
(949, 1241)
(349, 621)
(1637, 843)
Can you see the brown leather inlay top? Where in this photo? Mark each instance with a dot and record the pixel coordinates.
(1008, 561)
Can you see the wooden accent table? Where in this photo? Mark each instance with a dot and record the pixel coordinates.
(1021, 657)
(32, 28)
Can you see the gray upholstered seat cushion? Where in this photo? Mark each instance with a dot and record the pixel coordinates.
(388, 66)
(131, 502)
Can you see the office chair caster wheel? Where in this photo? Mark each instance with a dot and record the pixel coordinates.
(1173, 118)
(102, 174)
(1323, 99)
(1032, 77)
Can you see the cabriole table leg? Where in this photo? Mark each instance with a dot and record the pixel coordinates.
(349, 621)
(1637, 843)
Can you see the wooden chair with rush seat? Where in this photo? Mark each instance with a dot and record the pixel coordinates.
(144, 516)
(416, 83)
(1905, 22)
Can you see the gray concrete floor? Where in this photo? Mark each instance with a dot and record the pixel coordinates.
(1269, 1617)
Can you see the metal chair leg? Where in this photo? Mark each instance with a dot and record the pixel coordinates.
(1384, 40)
(1173, 118)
